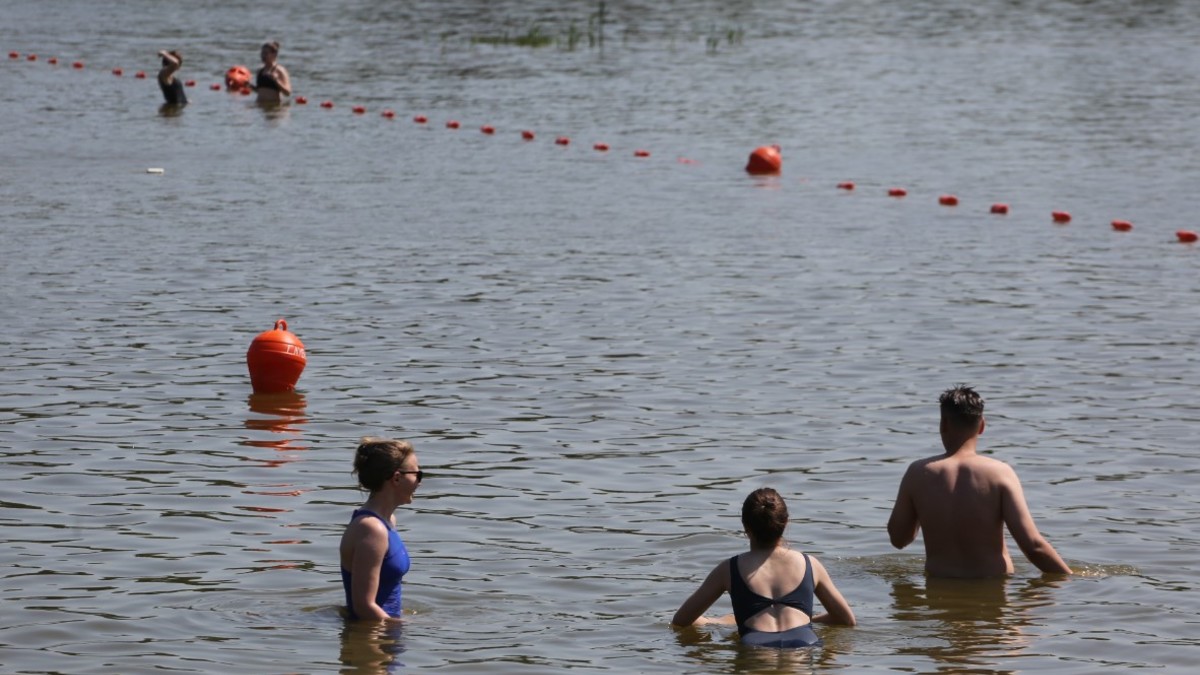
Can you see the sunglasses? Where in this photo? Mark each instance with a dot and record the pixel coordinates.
(420, 474)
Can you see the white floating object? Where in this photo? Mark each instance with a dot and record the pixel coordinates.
(155, 169)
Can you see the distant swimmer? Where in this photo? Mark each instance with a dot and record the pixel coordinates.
(962, 502)
(373, 557)
(172, 88)
(771, 586)
(272, 82)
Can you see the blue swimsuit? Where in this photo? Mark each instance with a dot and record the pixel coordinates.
(747, 603)
(395, 566)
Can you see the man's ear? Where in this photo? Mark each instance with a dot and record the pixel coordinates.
(982, 425)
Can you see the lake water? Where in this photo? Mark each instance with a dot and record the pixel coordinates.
(596, 355)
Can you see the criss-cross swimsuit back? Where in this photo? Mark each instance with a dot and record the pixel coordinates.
(747, 603)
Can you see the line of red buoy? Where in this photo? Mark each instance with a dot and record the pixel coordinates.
(764, 160)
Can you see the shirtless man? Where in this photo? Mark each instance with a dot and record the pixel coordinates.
(962, 501)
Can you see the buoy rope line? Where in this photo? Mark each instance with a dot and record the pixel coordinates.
(764, 161)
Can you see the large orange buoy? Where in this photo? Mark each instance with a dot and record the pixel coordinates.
(237, 78)
(765, 160)
(275, 360)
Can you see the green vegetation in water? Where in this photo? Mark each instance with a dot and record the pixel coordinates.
(568, 39)
(733, 36)
(574, 36)
(532, 38)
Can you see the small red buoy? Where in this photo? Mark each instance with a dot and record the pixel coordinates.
(14, 55)
(244, 91)
(1000, 208)
(897, 192)
(301, 100)
(52, 61)
(275, 359)
(118, 72)
(389, 114)
(327, 104)
(1186, 236)
(420, 119)
(600, 147)
(1060, 216)
(685, 160)
(765, 160)
(358, 110)
(141, 74)
(948, 200)
(527, 135)
(31, 57)
(562, 140)
(1122, 225)
(845, 185)
(215, 86)
(641, 153)
(189, 83)
(488, 129)
(77, 65)
(453, 124)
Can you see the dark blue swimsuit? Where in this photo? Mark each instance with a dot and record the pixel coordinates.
(173, 92)
(395, 566)
(747, 603)
(265, 81)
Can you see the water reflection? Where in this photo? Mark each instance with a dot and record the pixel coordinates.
(274, 112)
(171, 109)
(285, 415)
(369, 647)
(978, 620)
(719, 650)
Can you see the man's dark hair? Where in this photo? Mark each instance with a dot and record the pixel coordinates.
(962, 407)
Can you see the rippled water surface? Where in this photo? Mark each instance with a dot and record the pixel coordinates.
(597, 355)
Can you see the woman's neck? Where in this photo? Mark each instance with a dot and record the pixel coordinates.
(381, 505)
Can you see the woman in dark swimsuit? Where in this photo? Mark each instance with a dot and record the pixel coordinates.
(272, 82)
(373, 557)
(172, 88)
(770, 586)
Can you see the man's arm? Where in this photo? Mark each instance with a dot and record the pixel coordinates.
(1020, 525)
(903, 525)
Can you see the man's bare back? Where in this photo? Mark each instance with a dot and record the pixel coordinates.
(962, 502)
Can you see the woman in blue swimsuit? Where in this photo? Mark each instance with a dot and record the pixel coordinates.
(374, 559)
(770, 586)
